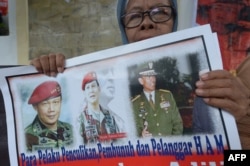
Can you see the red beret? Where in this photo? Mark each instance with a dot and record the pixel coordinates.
(46, 90)
(89, 77)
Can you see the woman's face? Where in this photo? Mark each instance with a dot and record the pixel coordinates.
(147, 28)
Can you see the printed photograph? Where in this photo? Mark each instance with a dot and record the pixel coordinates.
(162, 92)
(43, 113)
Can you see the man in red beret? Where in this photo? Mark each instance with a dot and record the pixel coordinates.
(46, 131)
(97, 124)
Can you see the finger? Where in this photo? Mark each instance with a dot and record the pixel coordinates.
(60, 62)
(219, 103)
(215, 74)
(52, 65)
(36, 63)
(44, 60)
(143, 133)
(229, 88)
(237, 110)
(148, 135)
(215, 92)
(215, 83)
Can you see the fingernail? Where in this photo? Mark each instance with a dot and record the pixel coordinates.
(204, 76)
(59, 69)
(47, 73)
(199, 83)
(199, 91)
(53, 74)
(206, 99)
(203, 71)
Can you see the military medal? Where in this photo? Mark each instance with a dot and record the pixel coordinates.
(164, 104)
(142, 109)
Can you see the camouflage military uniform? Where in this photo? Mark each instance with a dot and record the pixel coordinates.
(40, 137)
(93, 127)
(162, 119)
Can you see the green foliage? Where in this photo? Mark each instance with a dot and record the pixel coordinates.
(169, 77)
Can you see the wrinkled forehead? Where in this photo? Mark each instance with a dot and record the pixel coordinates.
(127, 1)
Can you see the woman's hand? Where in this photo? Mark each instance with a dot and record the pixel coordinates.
(221, 89)
(50, 65)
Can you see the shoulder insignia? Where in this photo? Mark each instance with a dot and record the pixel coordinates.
(163, 90)
(135, 98)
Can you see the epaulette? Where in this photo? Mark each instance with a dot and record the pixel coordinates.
(135, 98)
(164, 90)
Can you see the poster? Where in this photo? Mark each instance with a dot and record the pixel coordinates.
(99, 122)
(231, 20)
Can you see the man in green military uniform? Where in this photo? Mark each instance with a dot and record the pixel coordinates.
(46, 131)
(155, 111)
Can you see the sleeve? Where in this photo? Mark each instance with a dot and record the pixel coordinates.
(138, 123)
(82, 128)
(176, 119)
(243, 72)
(244, 123)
